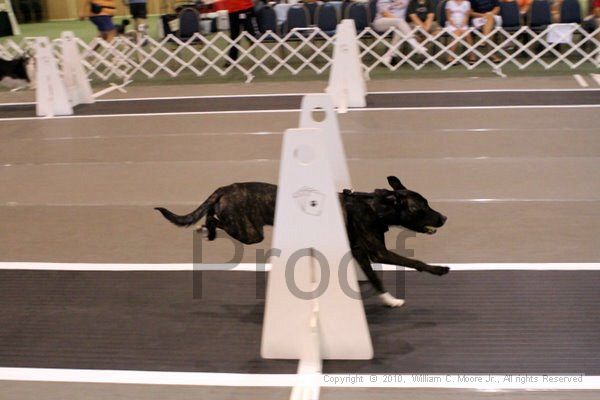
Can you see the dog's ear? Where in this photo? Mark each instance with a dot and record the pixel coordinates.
(395, 183)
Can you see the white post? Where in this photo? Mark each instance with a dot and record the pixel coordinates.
(333, 140)
(77, 84)
(346, 81)
(313, 308)
(51, 94)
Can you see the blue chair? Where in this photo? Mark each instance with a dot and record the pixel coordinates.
(327, 19)
(345, 5)
(539, 15)
(312, 10)
(570, 12)
(338, 7)
(359, 12)
(189, 23)
(297, 17)
(266, 20)
(511, 18)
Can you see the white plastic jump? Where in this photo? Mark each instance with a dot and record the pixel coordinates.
(57, 92)
(313, 309)
(76, 81)
(346, 80)
(51, 94)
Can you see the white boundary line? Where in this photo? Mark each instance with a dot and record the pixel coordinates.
(288, 380)
(137, 115)
(596, 77)
(252, 267)
(220, 96)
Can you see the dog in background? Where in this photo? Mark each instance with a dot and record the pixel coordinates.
(243, 209)
(17, 73)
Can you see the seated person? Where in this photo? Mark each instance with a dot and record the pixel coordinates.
(524, 6)
(555, 10)
(392, 13)
(457, 23)
(485, 16)
(421, 13)
(592, 21)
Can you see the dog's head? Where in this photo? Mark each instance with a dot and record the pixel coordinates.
(407, 208)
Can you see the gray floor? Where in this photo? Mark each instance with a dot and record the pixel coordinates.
(527, 322)
(82, 190)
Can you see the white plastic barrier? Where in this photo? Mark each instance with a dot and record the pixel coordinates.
(76, 81)
(346, 80)
(333, 141)
(313, 309)
(51, 94)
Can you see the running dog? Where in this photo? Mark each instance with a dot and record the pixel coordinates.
(16, 73)
(243, 209)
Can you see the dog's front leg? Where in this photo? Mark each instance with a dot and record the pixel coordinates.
(384, 256)
(362, 257)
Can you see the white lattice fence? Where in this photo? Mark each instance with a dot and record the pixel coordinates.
(311, 50)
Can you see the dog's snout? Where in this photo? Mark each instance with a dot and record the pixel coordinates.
(443, 219)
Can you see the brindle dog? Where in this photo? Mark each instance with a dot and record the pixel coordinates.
(243, 209)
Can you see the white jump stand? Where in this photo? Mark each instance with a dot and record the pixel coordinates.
(77, 84)
(312, 311)
(346, 80)
(51, 94)
(334, 144)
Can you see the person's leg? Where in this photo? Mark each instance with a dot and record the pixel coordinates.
(403, 26)
(105, 26)
(249, 22)
(234, 32)
(382, 25)
(489, 24)
(454, 44)
(139, 13)
(469, 40)
(111, 30)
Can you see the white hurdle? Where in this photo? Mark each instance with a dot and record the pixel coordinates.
(58, 91)
(313, 308)
(51, 94)
(76, 81)
(346, 80)
(333, 142)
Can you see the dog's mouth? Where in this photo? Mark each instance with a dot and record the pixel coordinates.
(430, 230)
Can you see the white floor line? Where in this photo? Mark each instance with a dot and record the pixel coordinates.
(252, 267)
(581, 80)
(449, 381)
(232, 96)
(596, 77)
(138, 115)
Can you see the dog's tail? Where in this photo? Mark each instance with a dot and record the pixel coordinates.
(191, 218)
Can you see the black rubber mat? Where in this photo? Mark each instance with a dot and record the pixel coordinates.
(465, 322)
(275, 102)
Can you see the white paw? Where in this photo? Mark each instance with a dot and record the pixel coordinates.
(390, 301)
